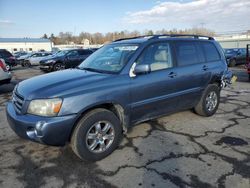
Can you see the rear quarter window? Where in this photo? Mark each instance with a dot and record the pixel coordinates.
(210, 51)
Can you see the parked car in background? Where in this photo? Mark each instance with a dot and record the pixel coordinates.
(35, 59)
(20, 59)
(248, 60)
(235, 56)
(64, 59)
(55, 49)
(122, 84)
(19, 54)
(5, 75)
(93, 49)
(9, 59)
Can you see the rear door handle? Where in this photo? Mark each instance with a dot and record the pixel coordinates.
(205, 67)
(172, 74)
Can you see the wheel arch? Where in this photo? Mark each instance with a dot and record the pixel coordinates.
(116, 108)
(216, 80)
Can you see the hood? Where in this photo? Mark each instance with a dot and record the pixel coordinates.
(51, 57)
(229, 55)
(24, 56)
(61, 84)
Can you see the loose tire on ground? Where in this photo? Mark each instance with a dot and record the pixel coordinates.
(79, 137)
(201, 107)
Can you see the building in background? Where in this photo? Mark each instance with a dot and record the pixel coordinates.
(234, 41)
(25, 44)
(86, 42)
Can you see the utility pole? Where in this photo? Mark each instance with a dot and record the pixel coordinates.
(202, 24)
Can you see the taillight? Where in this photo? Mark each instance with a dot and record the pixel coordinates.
(2, 65)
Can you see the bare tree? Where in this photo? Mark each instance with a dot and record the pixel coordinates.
(100, 38)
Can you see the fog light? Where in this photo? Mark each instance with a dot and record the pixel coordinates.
(39, 127)
(31, 132)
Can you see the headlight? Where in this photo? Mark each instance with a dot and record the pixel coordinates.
(45, 107)
(50, 61)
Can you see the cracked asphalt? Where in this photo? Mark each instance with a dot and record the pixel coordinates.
(180, 150)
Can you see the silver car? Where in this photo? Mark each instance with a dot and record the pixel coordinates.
(35, 58)
(5, 75)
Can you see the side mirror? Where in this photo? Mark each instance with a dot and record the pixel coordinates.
(142, 69)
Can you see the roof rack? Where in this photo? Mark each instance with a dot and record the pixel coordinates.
(143, 36)
(168, 35)
(183, 35)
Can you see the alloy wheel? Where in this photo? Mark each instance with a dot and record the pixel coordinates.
(211, 101)
(100, 136)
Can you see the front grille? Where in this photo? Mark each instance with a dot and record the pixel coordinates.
(18, 101)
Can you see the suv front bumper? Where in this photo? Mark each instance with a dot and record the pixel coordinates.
(53, 131)
(46, 67)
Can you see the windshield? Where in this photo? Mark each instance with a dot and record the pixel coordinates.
(110, 58)
(230, 51)
(61, 53)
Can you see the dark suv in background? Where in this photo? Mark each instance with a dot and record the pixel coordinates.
(9, 59)
(122, 84)
(235, 56)
(64, 59)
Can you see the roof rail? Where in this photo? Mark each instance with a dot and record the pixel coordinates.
(143, 36)
(183, 35)
(168, 35)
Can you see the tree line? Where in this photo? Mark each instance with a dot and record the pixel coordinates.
(100, 38)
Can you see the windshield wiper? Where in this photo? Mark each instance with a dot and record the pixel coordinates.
(95, 70)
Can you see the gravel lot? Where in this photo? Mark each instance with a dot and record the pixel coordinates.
(180, 150)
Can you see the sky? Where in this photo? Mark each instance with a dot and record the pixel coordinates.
(33, 18)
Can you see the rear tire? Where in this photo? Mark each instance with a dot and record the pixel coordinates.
(209, 101)
(92, 148)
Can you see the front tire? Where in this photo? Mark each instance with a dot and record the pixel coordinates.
(58, 66)
(209, 101)
(96, 135)
(27, 63)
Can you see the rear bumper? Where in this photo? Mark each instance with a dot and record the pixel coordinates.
(53, 131)
(6, 78)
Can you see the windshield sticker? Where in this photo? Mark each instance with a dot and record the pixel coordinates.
(126, 48)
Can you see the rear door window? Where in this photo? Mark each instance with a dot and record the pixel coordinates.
(211, 52)
(201, 54)
(187, 53)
